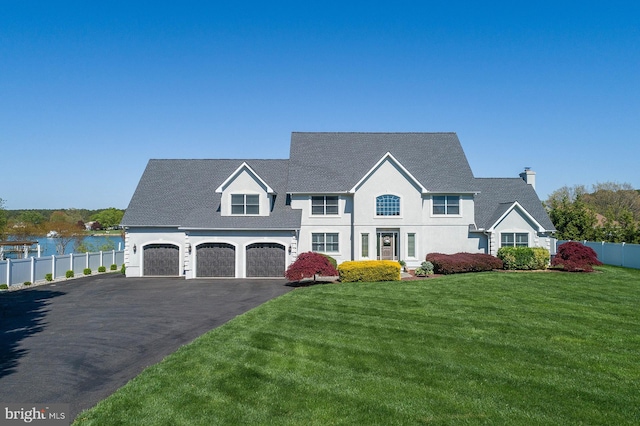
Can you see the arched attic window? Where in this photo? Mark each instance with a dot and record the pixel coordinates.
(388, 205)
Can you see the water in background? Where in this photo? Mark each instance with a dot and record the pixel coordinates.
(48, 245)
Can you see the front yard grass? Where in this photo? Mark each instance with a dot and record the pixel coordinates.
(487, 348)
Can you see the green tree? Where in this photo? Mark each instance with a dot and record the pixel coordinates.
(573, 220)
(109, 218)
(31, 216)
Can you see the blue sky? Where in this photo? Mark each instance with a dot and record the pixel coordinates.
(90, 92)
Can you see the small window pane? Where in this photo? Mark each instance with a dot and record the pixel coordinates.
(365, 245)
(317, 242)
(453, 205)
(411, 243)
(332, 205)
(507, 240)
(439, 204)
(522, 240)
(332, 242)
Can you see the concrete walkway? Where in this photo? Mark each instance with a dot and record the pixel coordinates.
(76, 342)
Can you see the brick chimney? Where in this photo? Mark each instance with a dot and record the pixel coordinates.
(529, 176)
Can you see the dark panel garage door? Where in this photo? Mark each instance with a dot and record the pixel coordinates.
(161, 259)
(216, 260)
(265, 260)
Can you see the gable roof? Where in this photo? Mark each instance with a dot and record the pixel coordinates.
(388, 157)
(245, 166)
(182, 193)
(497, 196)
(336, 162)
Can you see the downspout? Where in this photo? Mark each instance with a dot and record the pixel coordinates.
(488, 234)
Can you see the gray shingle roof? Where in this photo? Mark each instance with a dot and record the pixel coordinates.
(498, 194)
(335, 162)
(182, 193)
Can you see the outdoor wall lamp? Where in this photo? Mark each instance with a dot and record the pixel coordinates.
(134, 248)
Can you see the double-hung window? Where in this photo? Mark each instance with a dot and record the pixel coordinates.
(324, 205)
(446, 205)
(388, 205)
(514, 239)
(245, 204)
(325, 242)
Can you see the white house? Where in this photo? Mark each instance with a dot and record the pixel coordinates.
(350, 195)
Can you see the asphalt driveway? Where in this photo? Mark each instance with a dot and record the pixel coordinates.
(77, 341)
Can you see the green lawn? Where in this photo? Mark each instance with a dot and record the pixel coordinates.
(488, 348)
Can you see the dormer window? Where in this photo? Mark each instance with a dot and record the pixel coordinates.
(388, 205)
(245, 204)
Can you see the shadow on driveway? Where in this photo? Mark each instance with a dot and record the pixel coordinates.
(78, 341)
(22, 315)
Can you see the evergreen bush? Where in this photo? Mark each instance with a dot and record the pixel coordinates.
(27, 283)
(114, 267)
(86, 271)
(69, 274)
(4, 287)
(369, 271)
(524, 258)
(48, 277)
(102, 269)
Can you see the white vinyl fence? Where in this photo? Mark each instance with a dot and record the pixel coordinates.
(616, 254)
(33, 269)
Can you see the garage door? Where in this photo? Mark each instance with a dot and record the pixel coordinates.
(265, 260)
(216, 260)
(161, 259)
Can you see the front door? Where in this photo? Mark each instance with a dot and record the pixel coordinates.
(388, 245)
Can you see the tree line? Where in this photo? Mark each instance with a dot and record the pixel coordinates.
(26, 224)
(607, 212)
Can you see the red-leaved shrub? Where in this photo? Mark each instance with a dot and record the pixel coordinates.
(308, 265)
(575, 257)
(463, 262)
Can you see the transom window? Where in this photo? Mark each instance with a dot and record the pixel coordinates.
(388, 205)
(245, 204)
(446, 204)
(324, 204)
(514, 239)
(325, 242)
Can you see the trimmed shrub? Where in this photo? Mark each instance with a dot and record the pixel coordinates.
(48, 277)
(463, 262)
(69, 274)
(331, 260)
(309, 265)
(27, 283)
(102, 269)
(86, 271)
(369, 271)
(524, 258)
(113, 267)
(4, 287)
(426, 268)
(575, 257)
(123, 269)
